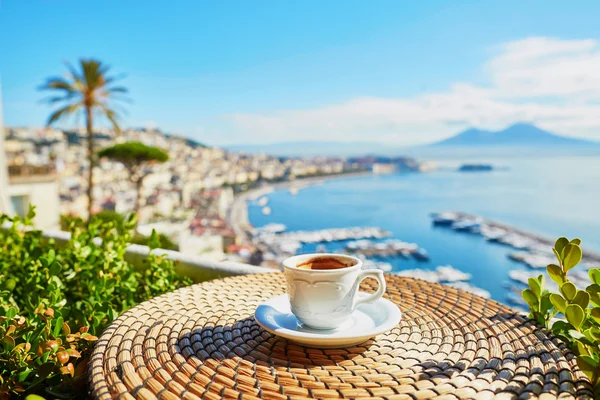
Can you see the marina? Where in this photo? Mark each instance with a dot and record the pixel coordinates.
(335, 234)
(535, 250)
(448, 275)
(388, 248)
(280, 244)
(533, 260)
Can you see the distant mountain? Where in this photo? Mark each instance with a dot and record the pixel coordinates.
(312, 149)
(517, 135)
(190, 142)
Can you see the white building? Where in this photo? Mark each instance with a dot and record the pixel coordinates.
(39, 190)
(5, 205)
(24, 187)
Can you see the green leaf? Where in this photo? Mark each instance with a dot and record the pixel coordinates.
(558, 326)
(571, 256)
(560, 244)
(9, 343)
(545, 303)
(534, 284)
(593, 334)
(154, 240)
(23, 375)
(568, 290)
(595, 313)
(57, 326)
(582, 349)
(542, 281)
(34, 397)
(587, 365)
(555, 273)
(594, 274)
(55, 268)
(576, 241)
(558, 256)
(131, 221)
(45, 356)
(559, 302)
(10, 284)
(51, 256)
(594, 292)
(529, 297)
(575, 315)
(11, 312)
(582, 298)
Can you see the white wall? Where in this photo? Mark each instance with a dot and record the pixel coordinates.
(43, 195)
(5, 206)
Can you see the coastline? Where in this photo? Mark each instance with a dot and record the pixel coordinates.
(238, 213)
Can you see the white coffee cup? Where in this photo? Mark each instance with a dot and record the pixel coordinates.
(325, 298)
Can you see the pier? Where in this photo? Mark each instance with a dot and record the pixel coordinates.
(388, 248)
(537, 245)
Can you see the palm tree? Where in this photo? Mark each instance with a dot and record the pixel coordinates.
(135, 156)
(89, 90)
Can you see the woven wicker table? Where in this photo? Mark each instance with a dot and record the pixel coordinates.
(201, 342)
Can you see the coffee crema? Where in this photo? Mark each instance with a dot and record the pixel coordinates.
(321, 263)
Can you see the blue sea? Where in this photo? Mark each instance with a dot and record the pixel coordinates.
(552, 196)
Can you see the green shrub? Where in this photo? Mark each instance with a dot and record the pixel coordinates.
(159, 240)
(68, 222)
(162, 241)
(580, 326)
(55, 301)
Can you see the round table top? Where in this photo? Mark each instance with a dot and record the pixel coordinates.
(202, 342)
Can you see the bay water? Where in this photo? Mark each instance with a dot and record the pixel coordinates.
(551, 196)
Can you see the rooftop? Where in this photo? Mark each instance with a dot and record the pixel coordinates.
(18, 174)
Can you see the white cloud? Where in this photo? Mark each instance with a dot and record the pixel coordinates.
(542, 67)
(551, 82)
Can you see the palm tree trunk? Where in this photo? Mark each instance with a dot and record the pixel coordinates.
(90, 139)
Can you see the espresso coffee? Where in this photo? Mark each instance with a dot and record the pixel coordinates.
(320, 263)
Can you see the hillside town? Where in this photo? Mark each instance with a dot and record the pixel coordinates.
(187, 198)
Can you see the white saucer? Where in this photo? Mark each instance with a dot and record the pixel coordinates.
(275, 316)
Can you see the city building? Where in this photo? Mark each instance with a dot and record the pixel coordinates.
(24, 185)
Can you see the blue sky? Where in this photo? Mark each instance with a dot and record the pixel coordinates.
(272, 71)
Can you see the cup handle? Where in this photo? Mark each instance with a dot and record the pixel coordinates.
(378, 276)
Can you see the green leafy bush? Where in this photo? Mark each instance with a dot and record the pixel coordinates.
(162, 241)
(580, 326)
(158, 240)
(55, 301)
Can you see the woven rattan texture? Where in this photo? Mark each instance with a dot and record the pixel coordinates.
(201, 342)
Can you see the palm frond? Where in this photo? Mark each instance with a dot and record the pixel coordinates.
(59, 99)
(91, 73)
(119, 109)
(64, 112)
(57, 83)
(110, 79)
(124, 99)
(112, 117)
(86, 86)
(117, 89)
(75, 75)
(103, 68)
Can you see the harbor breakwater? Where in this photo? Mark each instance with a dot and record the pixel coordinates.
(509, 235)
